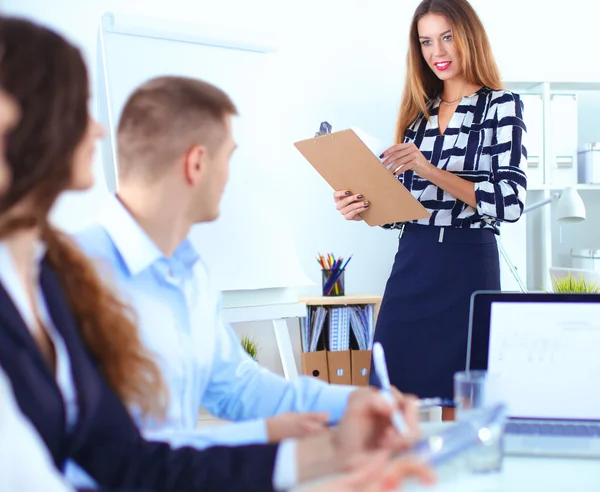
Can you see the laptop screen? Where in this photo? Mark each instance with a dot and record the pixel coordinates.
(544, 358)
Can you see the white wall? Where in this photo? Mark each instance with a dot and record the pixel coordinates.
(542, 41)
(344, 62)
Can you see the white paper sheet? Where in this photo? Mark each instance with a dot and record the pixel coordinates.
(374, 144)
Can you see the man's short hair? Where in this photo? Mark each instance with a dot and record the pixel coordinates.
(166, 116)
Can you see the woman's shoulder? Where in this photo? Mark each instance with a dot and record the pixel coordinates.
(503, 96)
(505, 102)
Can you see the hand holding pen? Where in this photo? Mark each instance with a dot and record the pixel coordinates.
(365, 425)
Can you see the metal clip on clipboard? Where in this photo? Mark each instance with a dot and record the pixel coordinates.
(324, 129)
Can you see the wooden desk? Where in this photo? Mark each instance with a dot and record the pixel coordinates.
(344, 300)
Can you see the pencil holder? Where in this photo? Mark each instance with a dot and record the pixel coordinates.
(333, 282)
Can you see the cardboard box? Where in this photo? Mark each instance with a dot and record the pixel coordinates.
(361, 367)
(340, 367)
(315, 364)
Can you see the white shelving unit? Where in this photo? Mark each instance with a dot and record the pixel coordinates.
(553, 114)
(550, 187)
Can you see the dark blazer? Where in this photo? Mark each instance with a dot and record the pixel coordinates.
(106, 442)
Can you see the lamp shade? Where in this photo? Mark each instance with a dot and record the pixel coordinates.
(570, 207)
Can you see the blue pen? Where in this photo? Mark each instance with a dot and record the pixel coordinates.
(347, 261)
(386, 390)
(336, 271)
(335, 275)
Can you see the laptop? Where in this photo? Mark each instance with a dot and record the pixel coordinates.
(542, 354)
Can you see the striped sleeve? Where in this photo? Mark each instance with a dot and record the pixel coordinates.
(502, 196)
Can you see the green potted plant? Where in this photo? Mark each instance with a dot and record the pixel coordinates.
(250, 346)
(572, 285)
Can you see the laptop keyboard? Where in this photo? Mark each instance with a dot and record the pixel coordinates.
(553, 429)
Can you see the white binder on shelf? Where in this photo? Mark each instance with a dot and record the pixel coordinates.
(534, 120)
(562, 163)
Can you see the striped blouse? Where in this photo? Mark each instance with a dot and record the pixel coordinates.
(484, 144)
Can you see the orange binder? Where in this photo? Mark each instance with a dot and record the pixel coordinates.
(315, 364)
(340, 367)
(361, 367)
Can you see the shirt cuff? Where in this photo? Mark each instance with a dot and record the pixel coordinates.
(485, 198)
(285, 474)
(334, 400)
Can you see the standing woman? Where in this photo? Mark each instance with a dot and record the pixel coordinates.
(461, 154)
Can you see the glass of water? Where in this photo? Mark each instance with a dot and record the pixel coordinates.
(470, 399)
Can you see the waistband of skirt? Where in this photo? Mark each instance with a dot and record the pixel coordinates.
(448, 234)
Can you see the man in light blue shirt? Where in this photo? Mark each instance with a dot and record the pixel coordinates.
(174, 146)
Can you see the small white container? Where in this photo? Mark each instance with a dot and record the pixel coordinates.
(588, 163)
(588, 259)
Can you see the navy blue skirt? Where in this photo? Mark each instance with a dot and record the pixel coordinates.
(424, 316)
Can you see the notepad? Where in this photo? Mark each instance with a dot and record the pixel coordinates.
(347, 162)
(311, 328)
(339, 329)
(376, 146)
(362, 325)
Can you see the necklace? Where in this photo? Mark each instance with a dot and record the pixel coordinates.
(450, 103)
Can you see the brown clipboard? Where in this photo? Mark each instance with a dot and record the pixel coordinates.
(346, 163)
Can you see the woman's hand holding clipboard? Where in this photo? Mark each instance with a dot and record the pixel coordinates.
(347, 163)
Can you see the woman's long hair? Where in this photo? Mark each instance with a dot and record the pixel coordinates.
(47, 77)
(478, 65)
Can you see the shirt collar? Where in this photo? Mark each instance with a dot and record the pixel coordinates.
(136, 248)
(40, 250)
